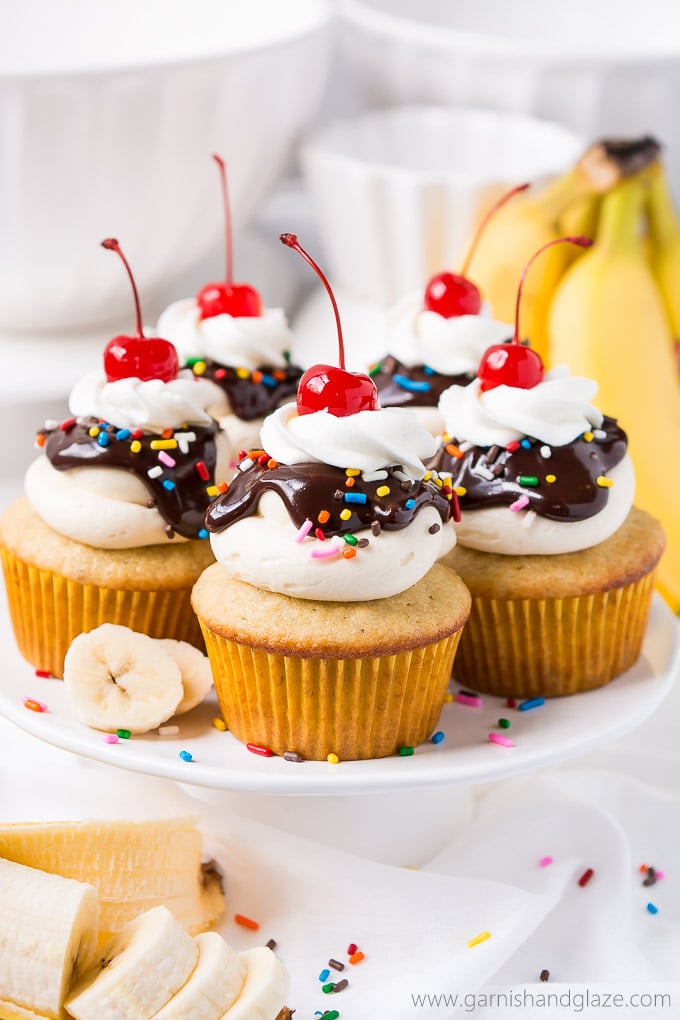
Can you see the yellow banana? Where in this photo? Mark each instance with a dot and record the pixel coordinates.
(608, 322)
(533, 219)
(664, 230)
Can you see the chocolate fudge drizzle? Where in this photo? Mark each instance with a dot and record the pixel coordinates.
(559, 481)
(255, 394)
(178, 491)
(319, 492)
(402, 385)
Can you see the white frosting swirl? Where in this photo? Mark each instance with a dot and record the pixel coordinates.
(556, 411)
(450, 346)
(152, 404)
(241, 342)
(368, 440)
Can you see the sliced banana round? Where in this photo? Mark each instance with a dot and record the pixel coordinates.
(213, 986)
(197, 678)
(117, 678)
(265, 988)
(137, 971)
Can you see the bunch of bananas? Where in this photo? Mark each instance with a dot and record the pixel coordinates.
(612, 312)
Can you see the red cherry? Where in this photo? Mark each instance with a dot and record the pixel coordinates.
(327, 387)
(452, 294)
(140, 357)
(228, 298)
(237, 299)
(511, 363)
(449, 295)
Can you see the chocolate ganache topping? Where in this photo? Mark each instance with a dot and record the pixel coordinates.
(402, 385)
(254, 394)
(563, 483)
(339, 502)
(177, 467)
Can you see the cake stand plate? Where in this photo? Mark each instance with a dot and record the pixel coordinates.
(559, 729)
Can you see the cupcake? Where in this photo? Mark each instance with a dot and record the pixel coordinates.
(559, 562)
(111, 527)
(227, 336)
(329, 625)
(435, 340)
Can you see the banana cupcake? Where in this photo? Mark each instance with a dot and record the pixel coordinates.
(559, 562)
(227, 336)
(436, 338)
(329, 625)
(111, 527)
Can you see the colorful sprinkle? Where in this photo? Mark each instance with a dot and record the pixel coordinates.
(44, 673)
(336, 965)
(652, 908)
(34, 706)
(356, 957)
(520, 503)
(168, 484)
(135, 446)
(355, 497)
(526, 706)
(168, 731)
(588, 437)
(155, 472)
(163, 444)
(246, 922)
(550, 479)
(332, 759)
(330, 987)
(219, 724)
(504, 724)
(412, 385)
(352, 948)
(482, 937)
(544, 976)
(325, 974)
(531, 481)
(510, 703)
(586, 877)
(202, 533)
(341, 985)
(110, 738)
(545, 452)
(406, 752)
(545, 862)
(409, 504)
(304, 530)
(270, 944)
(382, 490)
(453, 450)
(264, 752)
(323, 553)
(499, 738)
(323, 517)
(512, 446)
(352, 472)
(525, 444)
(438, 737)
(123, 734)
(345, 514)
(292, 756)
(186, 756)
(604, 482)
(103, 439)
(473, 700)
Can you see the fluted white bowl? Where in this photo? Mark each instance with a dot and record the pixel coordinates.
(108, 116)
(602, 68)
(396, 192)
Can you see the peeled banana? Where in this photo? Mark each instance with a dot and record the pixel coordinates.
(536, 217)
(48, 936)
(137, 971)
(133, 865)
(213, 986)
(608, 322)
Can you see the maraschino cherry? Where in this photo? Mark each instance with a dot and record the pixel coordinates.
(513, 363)
(452, 294)
(328, 387)
(226, 297)
(139, 357)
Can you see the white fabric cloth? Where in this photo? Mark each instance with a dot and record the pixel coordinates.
(469, 864)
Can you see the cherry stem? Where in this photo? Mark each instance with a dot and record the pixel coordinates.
(583, 242)
(111, 244)
(482, 226)
(292, 242)
(227, 218)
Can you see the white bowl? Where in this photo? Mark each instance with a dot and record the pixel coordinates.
(602, 68)
(108, 118)
(396, 191)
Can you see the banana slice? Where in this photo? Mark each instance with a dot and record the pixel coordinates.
(214, 984)
(48, 935)
(137, 972)
(265, 989)
(194, 666)
(117, 678)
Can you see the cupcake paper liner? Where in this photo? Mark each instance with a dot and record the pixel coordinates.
(549, 647)
(355, 708)
(49, 610)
